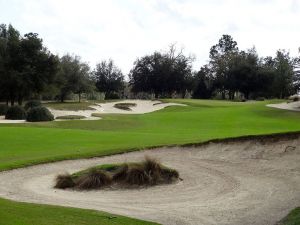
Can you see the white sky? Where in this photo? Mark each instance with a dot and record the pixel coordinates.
(126, 29)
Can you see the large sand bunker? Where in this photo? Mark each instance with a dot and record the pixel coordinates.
(293, 106)
(250, 182)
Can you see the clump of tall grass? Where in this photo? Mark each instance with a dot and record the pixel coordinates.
(146, 173)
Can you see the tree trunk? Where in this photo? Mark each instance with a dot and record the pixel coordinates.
(79, 97)
(20, 100)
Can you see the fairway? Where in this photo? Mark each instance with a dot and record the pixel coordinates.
(199, 121)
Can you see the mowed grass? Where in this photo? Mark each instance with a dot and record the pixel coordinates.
(201, 120)
(15, 213)
(293, 218)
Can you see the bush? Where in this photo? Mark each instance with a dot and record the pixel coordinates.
(3, 109)
(38, 114)
(32, 104)
(121, 173)
(15, 113)
(64, 181)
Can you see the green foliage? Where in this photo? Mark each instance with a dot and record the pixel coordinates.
(15, 113)
(31, 104)
(109, 79)
(3, 109)
(39, 114)
(162, 73)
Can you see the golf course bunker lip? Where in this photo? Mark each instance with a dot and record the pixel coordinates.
(243, 182)
(292, 106)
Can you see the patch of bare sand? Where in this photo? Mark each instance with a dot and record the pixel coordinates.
(293, 106)
(248, 182)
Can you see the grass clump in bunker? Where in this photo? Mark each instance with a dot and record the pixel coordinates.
(70, 117)
(123, 175)
(125, 106)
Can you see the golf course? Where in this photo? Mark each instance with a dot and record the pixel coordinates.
(199, 121)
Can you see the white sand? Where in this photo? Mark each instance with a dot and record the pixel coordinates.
(293, 106)
(235, 183)
(142, 106)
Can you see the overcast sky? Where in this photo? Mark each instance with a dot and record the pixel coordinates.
(126, 29)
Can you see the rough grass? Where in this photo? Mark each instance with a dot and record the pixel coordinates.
(124, 106)
(293, 218)
(70, 117)
(148, 172)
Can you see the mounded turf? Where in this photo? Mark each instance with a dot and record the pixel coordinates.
(202, 120)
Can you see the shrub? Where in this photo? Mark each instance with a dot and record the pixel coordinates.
(64, 181)
(32, 104)
(15, 113)
(95, 179)
(3, 109)
(260, 99)
(38, 114)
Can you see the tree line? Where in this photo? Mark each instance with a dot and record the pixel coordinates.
(28, 70)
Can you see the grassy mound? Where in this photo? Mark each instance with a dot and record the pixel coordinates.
(124, 106)
(147, 173)
(70, 117)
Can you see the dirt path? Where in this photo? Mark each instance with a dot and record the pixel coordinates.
(236, 183)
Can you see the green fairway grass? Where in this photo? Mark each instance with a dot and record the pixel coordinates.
(293, 218)
(199, 121)
(14, 213)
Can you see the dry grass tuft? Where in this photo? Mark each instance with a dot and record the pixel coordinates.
(121, 174)
(64, 181)
(137, 176)
(95, 179)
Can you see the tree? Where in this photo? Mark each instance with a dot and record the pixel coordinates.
(73, 77)
(220, 60)
(109, 78)
(203, 80)
(162, 74)
(26, 66)
(283, 83)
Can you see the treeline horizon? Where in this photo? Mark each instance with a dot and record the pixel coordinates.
(28, 70)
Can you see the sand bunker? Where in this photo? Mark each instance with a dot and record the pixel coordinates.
(238, 183)
(293, 106)
(142, 106)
